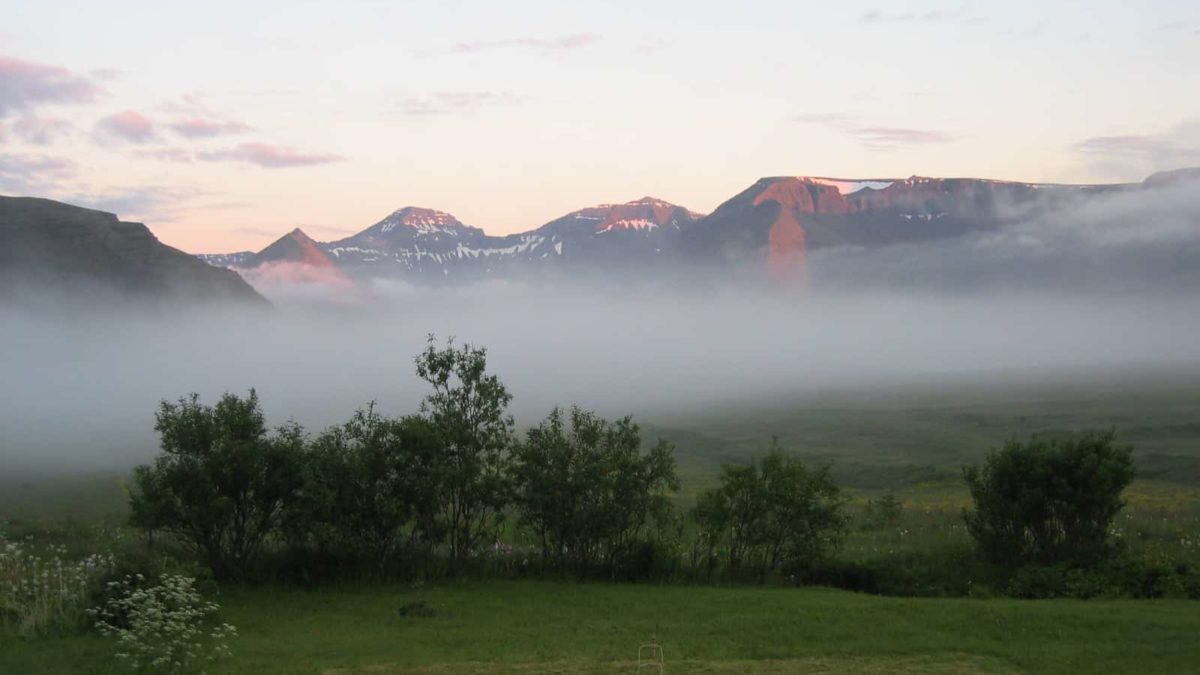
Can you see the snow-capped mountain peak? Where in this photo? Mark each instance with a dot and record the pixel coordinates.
(423, 221)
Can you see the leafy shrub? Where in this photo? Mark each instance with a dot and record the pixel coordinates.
(1048, 502)
(467, 411)
(40, 593)
(163, 626)
(774, 514)
(221, 482)
(589, 492)
(369, 490)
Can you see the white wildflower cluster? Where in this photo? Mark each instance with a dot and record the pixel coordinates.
(164, 627)
(39, 592)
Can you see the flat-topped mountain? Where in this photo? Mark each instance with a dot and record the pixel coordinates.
(56, 247)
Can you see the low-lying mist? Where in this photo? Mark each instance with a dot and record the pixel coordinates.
(80, 388)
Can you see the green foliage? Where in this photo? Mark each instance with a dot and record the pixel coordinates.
(162, 626)
(1116, 577)
(467, 411)
(369, 489)
(1046, 502)
(221, 481)
(772, 514)
(588, 492)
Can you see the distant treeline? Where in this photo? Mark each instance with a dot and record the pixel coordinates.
(449, 489)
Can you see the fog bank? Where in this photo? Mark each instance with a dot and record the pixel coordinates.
(80, 388)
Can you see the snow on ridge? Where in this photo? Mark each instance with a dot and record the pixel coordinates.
(628, 224)
(849, 186)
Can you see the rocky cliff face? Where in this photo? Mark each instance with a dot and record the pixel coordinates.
(58, 247)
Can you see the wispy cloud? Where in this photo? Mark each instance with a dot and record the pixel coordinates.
(198, 127)
(195, 120)
(129, 126)
(33, 174)
(40, 130)
(1180, 143)
(557, 44)
(452, 102)
(25, 85)
(874, 137)
(269, 156)
(883, 138)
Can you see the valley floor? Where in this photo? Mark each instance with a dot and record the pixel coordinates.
(542, 627)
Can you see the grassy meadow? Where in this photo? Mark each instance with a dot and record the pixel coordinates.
(553, 627)
(911, 442)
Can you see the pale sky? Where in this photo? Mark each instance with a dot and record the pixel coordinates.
(223, 125)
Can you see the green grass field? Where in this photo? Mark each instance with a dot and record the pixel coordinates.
(549, 627)
(912, 441)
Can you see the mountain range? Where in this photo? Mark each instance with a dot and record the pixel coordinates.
(944, 232)
(767, 231)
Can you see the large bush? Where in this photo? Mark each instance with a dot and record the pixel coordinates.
(586, 489)
(1048, 502)
(369, 490)
(774, 514)
(221, 481)
(467, 411)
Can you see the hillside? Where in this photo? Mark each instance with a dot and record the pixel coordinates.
(53, 247)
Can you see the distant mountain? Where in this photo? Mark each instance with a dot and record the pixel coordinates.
(766, 232)
(54, 247)
(411, 242)
(774, 224)
(435, 247)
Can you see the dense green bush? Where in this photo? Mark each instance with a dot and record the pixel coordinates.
(776, 514)
(221, 482)
(588, 492)
(368, 492)
(1048, 502)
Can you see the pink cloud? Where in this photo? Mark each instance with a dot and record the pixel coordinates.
(129, 125)
(199, 127)
(269, 156)
(25, 85)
